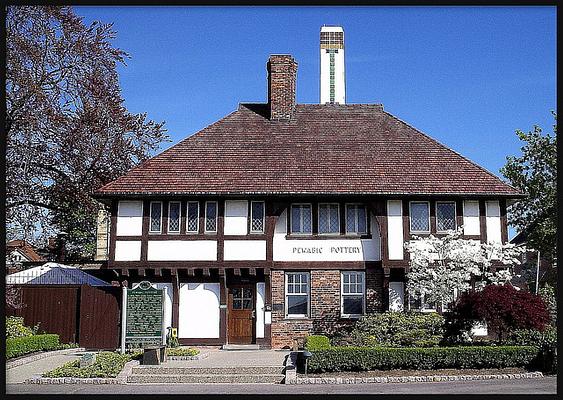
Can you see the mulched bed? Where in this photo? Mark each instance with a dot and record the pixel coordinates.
(404, 372)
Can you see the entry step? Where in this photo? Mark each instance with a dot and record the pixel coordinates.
(241, 347)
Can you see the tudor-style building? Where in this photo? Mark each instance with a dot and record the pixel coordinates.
(283, 219)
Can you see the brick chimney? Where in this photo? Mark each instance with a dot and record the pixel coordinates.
(282, 74)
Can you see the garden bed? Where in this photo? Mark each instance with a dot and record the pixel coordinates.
(107, 365)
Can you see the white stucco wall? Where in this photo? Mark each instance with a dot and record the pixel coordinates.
(396, 296)
(493, 221)
(127, 250)
(129, 218)
(235, 250)
(236, 217)
(395, 240)
(260, 298)
(182, 250)
(199, 310)
(471, 225)
(325, 249)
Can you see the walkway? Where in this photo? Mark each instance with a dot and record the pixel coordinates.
(20, 373)
(233, 358)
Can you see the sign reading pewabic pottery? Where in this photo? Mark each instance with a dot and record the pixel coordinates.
(144, 316)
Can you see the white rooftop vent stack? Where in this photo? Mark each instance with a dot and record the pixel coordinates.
(333, 85)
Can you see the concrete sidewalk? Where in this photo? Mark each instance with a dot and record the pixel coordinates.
(22, 372)
(233, 358)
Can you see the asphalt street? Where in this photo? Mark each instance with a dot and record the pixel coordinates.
(545, 385)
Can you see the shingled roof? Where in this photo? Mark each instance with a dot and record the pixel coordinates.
(324, 149)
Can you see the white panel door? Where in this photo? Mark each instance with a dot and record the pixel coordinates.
(199, 310)
(236, 214)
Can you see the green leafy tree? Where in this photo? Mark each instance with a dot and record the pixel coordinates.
(68, 131)
(534, 172)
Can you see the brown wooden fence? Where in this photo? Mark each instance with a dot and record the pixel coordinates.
(87, 315)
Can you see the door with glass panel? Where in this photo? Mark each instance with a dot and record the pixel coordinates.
(240, 329)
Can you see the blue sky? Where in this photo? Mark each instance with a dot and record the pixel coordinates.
(467, 76)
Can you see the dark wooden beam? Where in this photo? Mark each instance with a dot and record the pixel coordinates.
(191, 271)
(125, 272)
(173, 271)
(158, 271)
(252, 271)
(236, 271)
(206, 272)
(142, 272)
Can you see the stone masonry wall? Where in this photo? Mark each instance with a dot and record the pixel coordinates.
(325, 306)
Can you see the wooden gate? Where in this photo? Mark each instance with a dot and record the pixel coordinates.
(100, 317)
(54, 308)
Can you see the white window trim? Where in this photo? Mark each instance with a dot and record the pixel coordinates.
(436, 213)
(298, 316)
(263, 216)
(291, 219)
(342, 295)
(410, 216)
(216, 214)
(319, 218)
(346, 205)
(179, 217)
(188, 216)
(150, 217)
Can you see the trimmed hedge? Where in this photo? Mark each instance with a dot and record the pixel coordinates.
(181, 351)
(317, 342)
(19, 346)
(386, 358)
(15, 328)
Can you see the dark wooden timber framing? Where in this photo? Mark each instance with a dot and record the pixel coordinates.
(221, 271)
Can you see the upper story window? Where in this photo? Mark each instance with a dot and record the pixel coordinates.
(352, 293)
(211, 216)
(418, 302)
(257, 216)
(156, 217)
(420, 216)
(445, 216)
(356, 218)
(192, 220)
(174, 217)
(329, 218)
(297, 294)
(301, 219)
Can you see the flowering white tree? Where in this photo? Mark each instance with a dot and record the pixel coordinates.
(440, 265)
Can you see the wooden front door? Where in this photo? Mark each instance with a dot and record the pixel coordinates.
(241, 314)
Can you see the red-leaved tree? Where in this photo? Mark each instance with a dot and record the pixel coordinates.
(503, 308)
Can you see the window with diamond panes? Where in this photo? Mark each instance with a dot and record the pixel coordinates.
(301, 219)
(445, 216)
(257, 216)
(192, 220)
(420, 216)
(297, 293)
(156, 216)
(174, 216)
(353, 293)
(211, 216)
(329, 218)
(356, 219)
(242, 299)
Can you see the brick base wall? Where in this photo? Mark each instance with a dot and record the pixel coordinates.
(325, 305)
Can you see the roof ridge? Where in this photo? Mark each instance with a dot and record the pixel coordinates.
(451, 150)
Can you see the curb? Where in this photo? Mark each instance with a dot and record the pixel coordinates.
(406, 379)
(126, 371)
(27, 360)
(38, 379)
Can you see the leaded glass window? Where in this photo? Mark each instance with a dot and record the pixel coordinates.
(174, 216)
(420, 216)
(301, 219)
(156, 217)
(356, 219)
(353, 289)
(257, 216)
(192, 221)
(445, 216)
(297, 293)
(329, 218)
(211, 216)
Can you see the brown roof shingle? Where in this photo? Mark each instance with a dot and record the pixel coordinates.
(325, 149)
